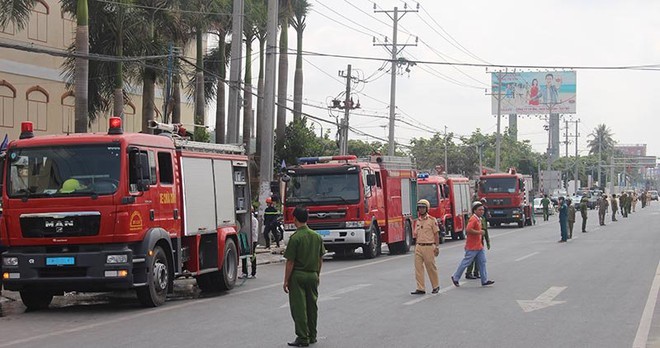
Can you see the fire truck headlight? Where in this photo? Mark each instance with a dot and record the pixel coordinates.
(112, 259)
(289, 227)
(354, 224)
(10, 261)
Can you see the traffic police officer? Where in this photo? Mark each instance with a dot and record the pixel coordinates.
(603, 204)
(304, 258)
(615, 207)
(583, 212)
(426, 249)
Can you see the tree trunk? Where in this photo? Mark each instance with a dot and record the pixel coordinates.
(220, 112)
(148, 99)
(283, 75)
(81, 90)
(247, 95)
(118, 110)
(298, 77)
(199, 83)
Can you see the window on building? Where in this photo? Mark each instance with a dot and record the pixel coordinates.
(37, 99)
(7, 97)
(68, 113)
(68, 30)
(38, 25)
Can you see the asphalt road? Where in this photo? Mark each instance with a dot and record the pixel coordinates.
(597, 290)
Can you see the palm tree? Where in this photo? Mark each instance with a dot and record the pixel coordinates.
(261, 31)
(602, 140)
(18, 13)
(255, 13)
(300, 10)
(283, 71)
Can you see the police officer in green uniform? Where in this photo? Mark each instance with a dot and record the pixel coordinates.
(304, 258)
(545, 202)
(583, 212)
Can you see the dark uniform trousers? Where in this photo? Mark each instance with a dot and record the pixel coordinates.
(303, 293)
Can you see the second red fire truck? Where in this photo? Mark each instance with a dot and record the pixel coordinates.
(449, 197)
(355, 203)
(508, 197)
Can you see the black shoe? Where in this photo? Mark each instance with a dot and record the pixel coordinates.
(418, 292)
(312, 340)
(297, 343)
(490, 282)
(455, 282)
(477, 276)
(470, 276)
(435, 290)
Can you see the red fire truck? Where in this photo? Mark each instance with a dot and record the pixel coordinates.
(354, 203)
(508, 197)
(100, 212)
(450, 201)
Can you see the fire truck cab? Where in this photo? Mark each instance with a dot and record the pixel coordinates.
(449, 197)
(354, 203)
(101, 212)
(508, 197)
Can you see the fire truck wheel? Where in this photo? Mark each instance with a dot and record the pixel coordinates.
(158, 278)
(229, 266)
(36, 300)
(372, 248)
(521, 223)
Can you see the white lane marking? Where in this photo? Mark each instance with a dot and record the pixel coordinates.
(526, 256)
(424, 297)
(542, 301)
(642, 335)
(334, 295)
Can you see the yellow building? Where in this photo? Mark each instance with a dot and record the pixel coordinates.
(33, 89)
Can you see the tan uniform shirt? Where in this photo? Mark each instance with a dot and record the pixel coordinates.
(426, 229)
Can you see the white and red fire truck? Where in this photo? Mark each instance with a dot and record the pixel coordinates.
(449, 197)
(354, 203)
(99, 212)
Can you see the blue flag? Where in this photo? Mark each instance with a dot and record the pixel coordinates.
(5, 143)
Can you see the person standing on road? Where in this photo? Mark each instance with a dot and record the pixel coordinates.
(603, 204)
(563, 220)
(634, 201)
(583, 211)
(473, 269)
(304, 258)
(642, 197)
(615, 207)
(571, 217)
(426, 248)
(628, 205)
(253, 255)
(623, 203)
(474, 247)
(545, 202)
(270, 223)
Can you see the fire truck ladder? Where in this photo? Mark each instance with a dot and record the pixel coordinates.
(184, 144)
(394, 162)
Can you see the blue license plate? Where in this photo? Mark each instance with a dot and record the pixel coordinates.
(324, 232)
(60, 261)
(498, 211)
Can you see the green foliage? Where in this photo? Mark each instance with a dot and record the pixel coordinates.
(299, 141)
(201, 134)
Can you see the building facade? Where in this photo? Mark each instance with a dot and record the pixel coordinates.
(32, 87)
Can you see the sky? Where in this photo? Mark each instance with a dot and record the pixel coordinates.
(558, 33)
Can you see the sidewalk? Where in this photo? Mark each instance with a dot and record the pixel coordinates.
(266, 256)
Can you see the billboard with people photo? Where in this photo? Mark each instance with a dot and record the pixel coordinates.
(528, 93)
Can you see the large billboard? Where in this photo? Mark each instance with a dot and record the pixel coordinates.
(528, 93)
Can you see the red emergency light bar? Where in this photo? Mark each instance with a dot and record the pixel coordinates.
(325, 159)
(115, 126)
(26, 130)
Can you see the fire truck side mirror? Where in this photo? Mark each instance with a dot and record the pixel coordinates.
(371, 180)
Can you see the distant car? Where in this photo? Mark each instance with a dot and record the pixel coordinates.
(654, 195)
(538, 207)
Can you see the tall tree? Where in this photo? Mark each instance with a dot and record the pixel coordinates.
(252, 14)
(602, 140)
(260, 31)
(300, 10)
(283, 71)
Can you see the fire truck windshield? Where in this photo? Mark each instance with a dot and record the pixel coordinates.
(60, 171)
(310, 189)
(498, 185)
(428, 192)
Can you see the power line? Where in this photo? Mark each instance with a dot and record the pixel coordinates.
(340, 23)
(176, 10)
(346, 18)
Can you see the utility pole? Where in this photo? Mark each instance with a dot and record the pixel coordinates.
(499, 75)
(446, 168)
(394, 50)
(577, 159)
(600, 164)
(233, 102)
(348, 106)
(566, 142)
(267, 153)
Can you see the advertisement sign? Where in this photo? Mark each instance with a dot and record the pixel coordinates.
(528, 93)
